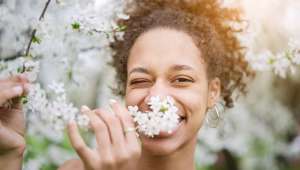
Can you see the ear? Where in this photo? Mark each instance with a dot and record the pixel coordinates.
(214, 92)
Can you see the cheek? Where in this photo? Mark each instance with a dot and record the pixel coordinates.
(194, 103)
(134, 97)
(196, 114)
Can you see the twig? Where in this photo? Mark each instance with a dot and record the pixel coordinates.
(34, 31)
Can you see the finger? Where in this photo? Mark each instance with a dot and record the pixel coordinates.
(127, 121)
(8, 84)
(26, 87)
(114, 126)
(101, 131)
(16, 101)
(15, 81)
(10, 93)
(9, 139)
(22, 78)
(84, 152)
(16, 78)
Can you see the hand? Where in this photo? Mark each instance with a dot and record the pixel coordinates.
(12, 124)
(115, 149)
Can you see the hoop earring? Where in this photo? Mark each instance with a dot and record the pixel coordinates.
(213, 116)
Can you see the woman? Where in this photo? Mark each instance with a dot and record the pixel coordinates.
(183, 49)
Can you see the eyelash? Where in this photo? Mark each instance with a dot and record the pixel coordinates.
(181, 82)
(133, 82)
(176, 80)
(185, 79)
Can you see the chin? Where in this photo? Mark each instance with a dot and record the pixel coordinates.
(165, 143)
(159, 147)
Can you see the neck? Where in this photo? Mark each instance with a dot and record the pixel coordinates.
(181, 159)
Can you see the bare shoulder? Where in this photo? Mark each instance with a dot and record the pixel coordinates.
(73, 164)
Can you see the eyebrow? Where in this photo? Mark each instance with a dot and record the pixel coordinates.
(181, 67)
(139, 70)
(175, 68)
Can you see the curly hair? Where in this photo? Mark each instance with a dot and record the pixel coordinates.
(206, 21)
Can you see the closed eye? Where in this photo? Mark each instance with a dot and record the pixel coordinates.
(139, 82)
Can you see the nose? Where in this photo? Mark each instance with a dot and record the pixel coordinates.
(159, 88)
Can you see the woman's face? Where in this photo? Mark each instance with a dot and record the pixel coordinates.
(166, 62)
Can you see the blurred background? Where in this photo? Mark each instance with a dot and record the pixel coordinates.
(262, 131)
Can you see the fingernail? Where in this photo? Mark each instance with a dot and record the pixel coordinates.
(112, 101)
(84, 108)
(18, 90)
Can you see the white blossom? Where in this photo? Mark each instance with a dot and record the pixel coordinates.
(162, 117)
(31, 69)
(123, 16)
(57, 88)
(261, 61)
(294, 46)
(61, 46)
(296, 58)
(83, 120)
(281, 65)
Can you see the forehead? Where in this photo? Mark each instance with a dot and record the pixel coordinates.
(162, 47)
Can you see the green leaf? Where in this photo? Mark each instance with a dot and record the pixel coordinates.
(163, 109)
(21, 69)
(289, 55)
(36, 40)
(49, 166)
(70, 74)
(3, 66)
(271, 61)
(121, 28)
(76, 25)
(24, 99)
(35, 146)
(107, 35)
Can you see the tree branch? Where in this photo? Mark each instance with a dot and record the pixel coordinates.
(34, 31)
